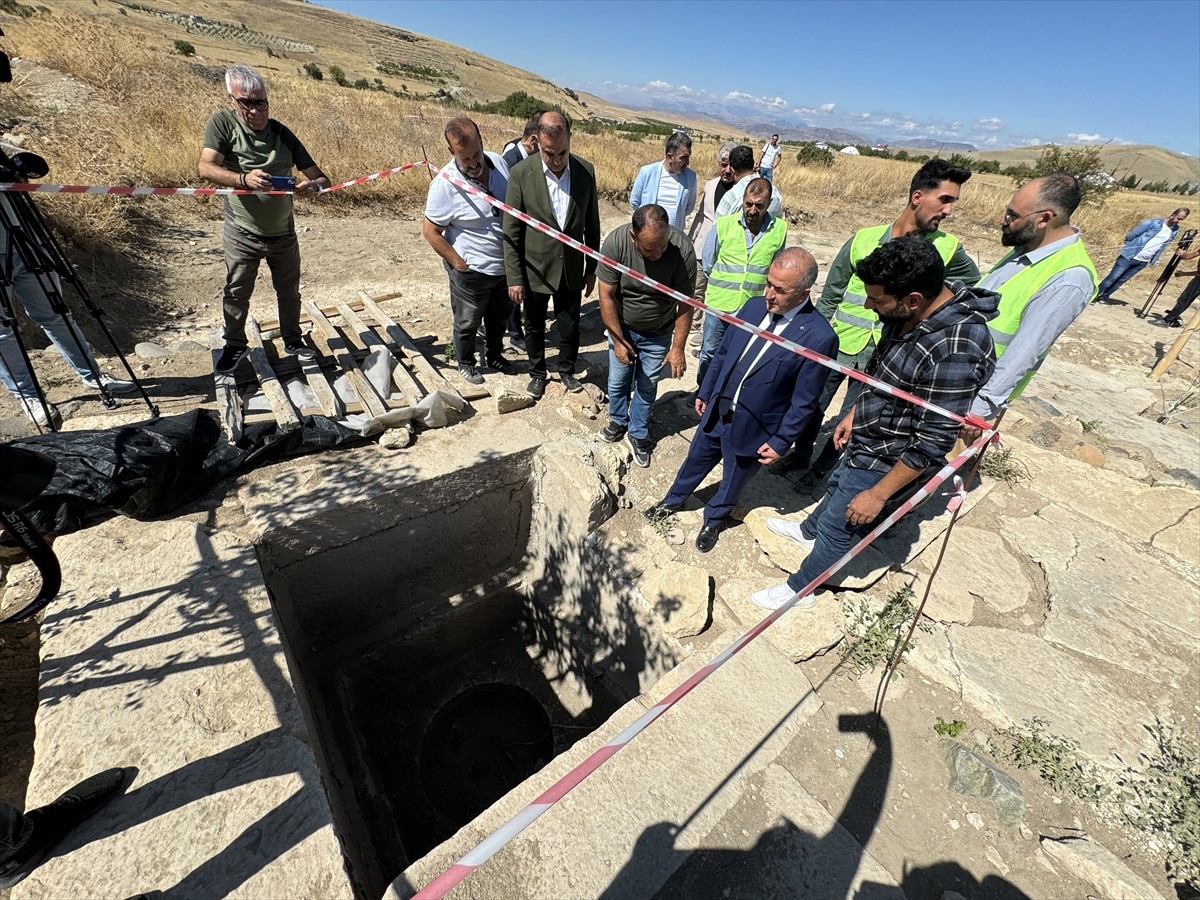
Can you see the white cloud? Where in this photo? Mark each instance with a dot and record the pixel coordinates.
(827, 107)
(1083, 138)
(990, 124)
(659, 85)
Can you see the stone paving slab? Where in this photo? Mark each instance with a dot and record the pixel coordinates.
(979, 565)
(1126, 506)
(1011, 676)
(799, 635)
(623, 831)
(161, 653)
(1109, 599)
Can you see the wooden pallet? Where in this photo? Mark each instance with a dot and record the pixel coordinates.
(343, 334)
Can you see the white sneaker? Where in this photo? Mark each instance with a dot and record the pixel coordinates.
(37, 415)
(790, 530)
(112, 385)
(777, 595)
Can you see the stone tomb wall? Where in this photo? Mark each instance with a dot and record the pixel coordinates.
(448, 639)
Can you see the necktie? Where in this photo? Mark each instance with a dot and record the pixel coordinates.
(754, 350)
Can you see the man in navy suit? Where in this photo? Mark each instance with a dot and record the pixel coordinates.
(756, 396)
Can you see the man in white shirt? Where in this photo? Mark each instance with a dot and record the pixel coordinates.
(769, 160)
(465, 231)
(1143, 246)
(741, 160)
(669, 182)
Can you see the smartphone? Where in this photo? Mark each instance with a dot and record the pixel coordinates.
(283, 183)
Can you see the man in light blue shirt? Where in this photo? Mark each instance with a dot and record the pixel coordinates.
(1143, 246)
(669, 183)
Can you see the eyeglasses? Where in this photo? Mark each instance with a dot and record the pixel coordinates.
(250, 102)
(1010, 216)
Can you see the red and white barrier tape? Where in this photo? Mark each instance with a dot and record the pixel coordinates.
(129, 191)
(446, 882)
(970, 420)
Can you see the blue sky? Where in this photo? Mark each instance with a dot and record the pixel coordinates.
(987, 73)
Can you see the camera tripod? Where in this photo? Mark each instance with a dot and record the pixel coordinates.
(29, 241)
(1185, 243)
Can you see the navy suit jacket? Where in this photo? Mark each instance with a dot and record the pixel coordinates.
(779, 394)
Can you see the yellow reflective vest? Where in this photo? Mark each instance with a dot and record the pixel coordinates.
(854, 324)
(736, 275)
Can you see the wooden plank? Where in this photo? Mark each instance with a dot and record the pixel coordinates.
(272, 325)
(277, 398)
(331, 340)
(1173, 351)
(327, 399)
(370, 337)
(229, 401)
(434, 379)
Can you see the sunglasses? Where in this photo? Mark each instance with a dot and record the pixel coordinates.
(248, 103)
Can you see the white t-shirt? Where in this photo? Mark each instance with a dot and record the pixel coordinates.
(768, 156)
(1147, 254)
(669, 188)
(473, 226)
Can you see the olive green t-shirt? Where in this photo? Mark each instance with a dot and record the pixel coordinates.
(640, 306)
(276, 151)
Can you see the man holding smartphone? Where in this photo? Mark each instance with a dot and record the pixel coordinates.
(244, 148)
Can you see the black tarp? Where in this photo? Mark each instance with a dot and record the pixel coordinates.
(149, 469)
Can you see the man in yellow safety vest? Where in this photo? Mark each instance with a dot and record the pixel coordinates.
(1044, 283)
(932, 193)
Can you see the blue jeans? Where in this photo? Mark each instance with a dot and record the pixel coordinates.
(14, 374)
(1123, 269)
(768, 173)
(638, 380)
(714, 330)
(827, 523)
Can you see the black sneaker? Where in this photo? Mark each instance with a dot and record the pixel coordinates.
(54, 822)
(470, 374)
(641, 448)
(613, 432)
(537, 386)
(570, 382)
(300, 350)
(502, 365)
(518, 343)
(229, 359)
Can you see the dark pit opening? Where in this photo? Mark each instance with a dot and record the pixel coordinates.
(446, 641)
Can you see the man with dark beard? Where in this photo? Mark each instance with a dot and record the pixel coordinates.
(935, 345)
(1044, 283)
(932, 193)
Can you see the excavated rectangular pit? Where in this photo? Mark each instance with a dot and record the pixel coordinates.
(447, 640)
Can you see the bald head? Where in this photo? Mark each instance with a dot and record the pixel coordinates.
(797, 258)
(554, 141)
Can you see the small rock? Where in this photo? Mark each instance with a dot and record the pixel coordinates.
(144, 367)
(190, 347)
(510, 401)
(973, 775)
(1046, 435)
(396, 438)
(954, 824)
(682, 596)
(151, 350)
(1026, 832)
(1092, 863)
(676, 537)
(1090, 455)
(994, 857)
(596, 393)
(975, 820)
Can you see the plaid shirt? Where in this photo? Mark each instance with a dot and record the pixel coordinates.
(944, 360)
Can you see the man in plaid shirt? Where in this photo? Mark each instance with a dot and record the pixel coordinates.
(936, 345)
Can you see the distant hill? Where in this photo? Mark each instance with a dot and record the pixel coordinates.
(1146, 161)
(931, 144)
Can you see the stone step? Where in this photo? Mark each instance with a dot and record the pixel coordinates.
(699, 784)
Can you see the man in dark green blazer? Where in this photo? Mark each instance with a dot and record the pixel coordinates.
(559, 189)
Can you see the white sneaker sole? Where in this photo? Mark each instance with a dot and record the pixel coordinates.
(784, 528)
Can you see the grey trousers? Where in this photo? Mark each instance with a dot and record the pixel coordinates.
(476, 298)
(243, 252)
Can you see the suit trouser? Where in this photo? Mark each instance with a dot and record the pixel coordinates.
(566, 314)
(243, 252)
(706, 451)
(477, 298)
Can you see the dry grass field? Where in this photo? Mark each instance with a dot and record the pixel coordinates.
(139, 108)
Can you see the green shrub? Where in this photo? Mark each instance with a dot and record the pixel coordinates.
(313, 71)
(812, 155)
(183, 48)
